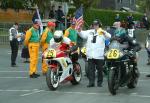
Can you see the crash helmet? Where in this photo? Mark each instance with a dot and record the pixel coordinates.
(58, 36)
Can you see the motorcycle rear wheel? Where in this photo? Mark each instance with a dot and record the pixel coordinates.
(133, 82)
(77, 74)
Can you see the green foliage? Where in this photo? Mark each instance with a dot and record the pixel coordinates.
(15, 4)
(107, 17)
(143, 5)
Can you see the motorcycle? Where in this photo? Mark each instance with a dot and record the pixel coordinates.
(121, 67)
(62, 66)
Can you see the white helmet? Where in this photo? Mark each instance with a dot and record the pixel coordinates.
(58, 36)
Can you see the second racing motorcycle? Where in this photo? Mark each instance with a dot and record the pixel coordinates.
(122, 69)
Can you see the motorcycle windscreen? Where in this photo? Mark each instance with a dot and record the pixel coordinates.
(115, 49)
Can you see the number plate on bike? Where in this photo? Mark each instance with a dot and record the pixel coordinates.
(51, 53)
(113, 54)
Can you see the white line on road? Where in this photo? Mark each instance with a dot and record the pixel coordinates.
(27, 94)
(16, 71)
(13, 77)
(34, 91)
(15, 90)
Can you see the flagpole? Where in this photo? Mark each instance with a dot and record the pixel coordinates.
(41, 26)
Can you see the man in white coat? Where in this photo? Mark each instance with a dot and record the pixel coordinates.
(95, 51)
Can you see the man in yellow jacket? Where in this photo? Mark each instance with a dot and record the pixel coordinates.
(45, 39)
(32, 40)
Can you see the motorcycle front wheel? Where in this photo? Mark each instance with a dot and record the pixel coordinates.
(52, 78)
(112, 81)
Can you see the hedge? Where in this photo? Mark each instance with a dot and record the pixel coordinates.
(106, 16)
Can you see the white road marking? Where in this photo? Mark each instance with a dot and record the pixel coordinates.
(15, 90)
(34, 91)
(82, 93)
(27, 94)
(13, 71)
(142, 96)
(13, 77)
(41, 71)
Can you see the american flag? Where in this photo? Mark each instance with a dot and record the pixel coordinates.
(78, 17)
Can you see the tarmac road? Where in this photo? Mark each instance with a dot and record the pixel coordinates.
(17, 87)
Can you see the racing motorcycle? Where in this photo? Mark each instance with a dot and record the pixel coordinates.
(62, 66)
(122, 70)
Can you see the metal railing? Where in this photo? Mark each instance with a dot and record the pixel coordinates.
(4, 36)
(4, 31)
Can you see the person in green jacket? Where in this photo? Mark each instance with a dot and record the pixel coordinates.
(71, 33)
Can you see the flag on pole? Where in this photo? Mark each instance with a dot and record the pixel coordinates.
(36, 16)
(78, 17)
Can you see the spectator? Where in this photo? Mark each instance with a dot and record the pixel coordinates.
(25, 51)
(13, 36)
(145, 21)
(117, 18)
(69, 20)
(130, 20)
(52, 13)
(60, 18)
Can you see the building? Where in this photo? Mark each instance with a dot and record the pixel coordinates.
(117, 4)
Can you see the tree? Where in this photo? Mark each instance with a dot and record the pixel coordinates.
(15, 4)
(144, 6)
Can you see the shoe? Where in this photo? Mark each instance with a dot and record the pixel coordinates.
(90, 85)
(99, 85)
(148, 75)
(27, 61)
(148, 63)
(34, 75)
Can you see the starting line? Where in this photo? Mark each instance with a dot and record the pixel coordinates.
(35, 91)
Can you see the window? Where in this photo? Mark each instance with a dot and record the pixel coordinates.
(119, 1)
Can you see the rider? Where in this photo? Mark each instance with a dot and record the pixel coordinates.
(58, 39)
(121, 35)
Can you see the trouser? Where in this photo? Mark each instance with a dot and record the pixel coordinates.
(44, 65)
(33, 52)
(148, 53)
(86, 67)
(98, 64)
(14, 50)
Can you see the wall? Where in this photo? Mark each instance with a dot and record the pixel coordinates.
(12, 16)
